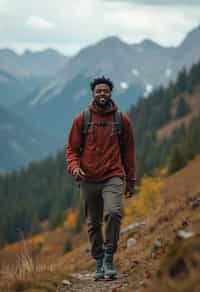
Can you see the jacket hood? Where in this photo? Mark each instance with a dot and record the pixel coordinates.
(111, 109)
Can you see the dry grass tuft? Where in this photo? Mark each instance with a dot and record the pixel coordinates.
(25, 268)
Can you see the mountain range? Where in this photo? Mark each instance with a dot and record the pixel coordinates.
(135, 69)
(20, 143)
(48, 89)
(21, 74)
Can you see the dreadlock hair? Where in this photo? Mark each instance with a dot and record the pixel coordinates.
(101, 80)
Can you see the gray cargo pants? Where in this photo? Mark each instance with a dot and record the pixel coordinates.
(102, 200)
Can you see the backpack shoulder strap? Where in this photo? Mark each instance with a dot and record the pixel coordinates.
(120, 129)
(86, 120)
(119, 124)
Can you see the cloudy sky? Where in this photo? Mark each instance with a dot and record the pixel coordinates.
(70, 25)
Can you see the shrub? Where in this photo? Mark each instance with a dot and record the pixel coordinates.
(67, 245)
(148, 199)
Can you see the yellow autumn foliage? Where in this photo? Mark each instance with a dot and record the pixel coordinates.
(70, 220)
(11, 248)
(47, 249)
(37, 240)
(148, 199)
(163, 171)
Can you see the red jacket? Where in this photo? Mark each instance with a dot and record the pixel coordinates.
(100, 158)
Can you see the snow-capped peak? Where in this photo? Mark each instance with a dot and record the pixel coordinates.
(168, 72)
(148, 89)
(123, 85)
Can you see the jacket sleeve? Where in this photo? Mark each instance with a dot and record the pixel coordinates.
(129, 157)
(72, 149)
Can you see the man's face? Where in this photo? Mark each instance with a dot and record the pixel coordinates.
(102, 94)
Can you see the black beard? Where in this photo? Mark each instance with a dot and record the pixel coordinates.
(102, 102)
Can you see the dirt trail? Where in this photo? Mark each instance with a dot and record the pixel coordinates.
(84, 282)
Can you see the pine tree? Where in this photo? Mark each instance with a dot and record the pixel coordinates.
(183, 108)
(56, 217)
(177, 159)
(181, 84)
(35, 225)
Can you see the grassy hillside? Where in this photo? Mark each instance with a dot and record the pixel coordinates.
(151, 264)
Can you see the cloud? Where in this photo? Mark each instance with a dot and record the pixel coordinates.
(160, 2)
(39, 23)
(71, 25)
(166, 26)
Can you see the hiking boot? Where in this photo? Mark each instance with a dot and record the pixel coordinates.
(109, 270)
(99, 274)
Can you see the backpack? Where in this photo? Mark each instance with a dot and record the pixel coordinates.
(118, 124)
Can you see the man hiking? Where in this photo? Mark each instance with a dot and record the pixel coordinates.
(101, 155)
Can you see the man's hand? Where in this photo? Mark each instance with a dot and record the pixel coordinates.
(78, 173)
(129, 192)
